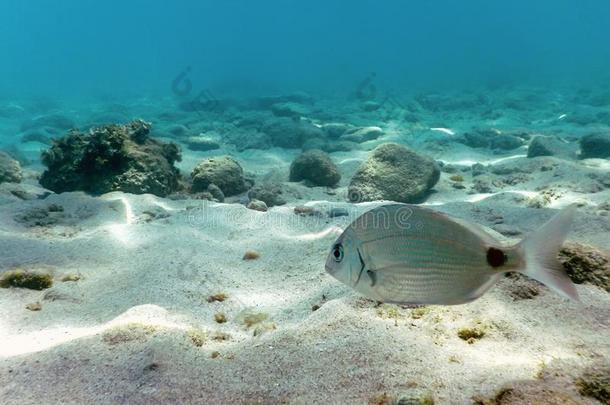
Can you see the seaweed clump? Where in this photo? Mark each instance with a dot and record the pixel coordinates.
(470, 335)
(218, 297)
(112, 158)
(197, 337)
(595, 383)
(26, 279)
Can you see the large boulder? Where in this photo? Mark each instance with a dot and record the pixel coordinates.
(112, 158)
(223, 171)
(595, 146)
(315, 167)
(10, 169)
(394, 172)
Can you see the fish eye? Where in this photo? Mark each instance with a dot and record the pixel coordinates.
(338, 252)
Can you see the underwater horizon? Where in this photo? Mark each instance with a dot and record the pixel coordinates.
(291, 202)
(86, 49)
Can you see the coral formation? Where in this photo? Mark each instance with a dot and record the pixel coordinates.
(394, 172)
(112, 158)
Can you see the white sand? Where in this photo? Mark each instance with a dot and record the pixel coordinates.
(161, 272)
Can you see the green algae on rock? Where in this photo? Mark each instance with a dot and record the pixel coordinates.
(26, 279)
(112, 158)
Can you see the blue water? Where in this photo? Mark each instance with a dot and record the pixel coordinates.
(74, 48)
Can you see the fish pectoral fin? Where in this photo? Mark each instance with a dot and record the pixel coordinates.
(373, 276)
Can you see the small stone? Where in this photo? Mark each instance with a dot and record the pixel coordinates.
(34, 306)
(257, 205)
(201, 144)
(338, 212)
(251, 255)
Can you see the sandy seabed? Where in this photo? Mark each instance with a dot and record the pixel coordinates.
(138, 325)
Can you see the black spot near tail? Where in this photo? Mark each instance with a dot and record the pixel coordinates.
(496, 257)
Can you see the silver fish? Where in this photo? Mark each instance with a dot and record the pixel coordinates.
(407, 254)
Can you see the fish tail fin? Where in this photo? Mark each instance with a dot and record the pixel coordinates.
(540, 251)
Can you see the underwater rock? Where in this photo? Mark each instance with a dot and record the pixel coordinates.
(26, 279)
(505, 142)
(585, 264)
(394, 172)
(257, 205)
(547, 146)
(316, 167)
(296, 97)
(329, 146)
(178, 130)
(478, 169)
(336, 212)
(10, 169)
(288, 133)
(478, 138)
(361, 135)
(52, 120)
(289, 109)
(216, 192)
(370, 106)
(201, 144)
(267, 192)
(244, 139)
(223, 171)
(335, 130)
(445, 102)
(112, 158)
(595, 146)
(41, 135)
